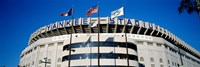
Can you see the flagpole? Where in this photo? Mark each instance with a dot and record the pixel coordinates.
(72, 18)
(125, 36)
(98, 36)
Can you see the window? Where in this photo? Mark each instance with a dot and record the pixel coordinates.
(60, 43)
(28, 64)
(159, 45)
(150, 43)
(35, 48)
(102, 56)
(178, 65)
(33, 63)
(161, 61)
(175, 64)
(42, 46)
(58, 65)
(152, 65)
(40, 61)
(166, 46)
(104, 44)
(151, 59)
(140, 42)
(168, 62)
(172, 63)
(51, 44)
(161, 65)
(48, 66)
(59, 60)
(49, 60)
(141, 59)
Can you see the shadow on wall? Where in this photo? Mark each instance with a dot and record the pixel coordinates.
(141, 65)
(110, 39)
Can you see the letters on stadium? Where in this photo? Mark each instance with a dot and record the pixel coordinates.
(103, 20)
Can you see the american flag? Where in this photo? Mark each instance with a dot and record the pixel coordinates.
(92, 10)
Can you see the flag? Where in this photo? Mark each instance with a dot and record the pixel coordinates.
(68, 13)
(92, 10)
(117, 12)
(93, 24)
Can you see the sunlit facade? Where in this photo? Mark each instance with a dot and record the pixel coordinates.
(146, 45)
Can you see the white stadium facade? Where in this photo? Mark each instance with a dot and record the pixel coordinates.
(144, 45)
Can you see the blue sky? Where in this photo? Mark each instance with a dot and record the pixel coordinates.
(20, 18)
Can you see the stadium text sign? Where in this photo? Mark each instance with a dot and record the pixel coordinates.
(103, 20)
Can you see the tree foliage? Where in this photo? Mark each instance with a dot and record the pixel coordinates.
(189, 5)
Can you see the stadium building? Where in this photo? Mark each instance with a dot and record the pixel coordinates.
(144, 45)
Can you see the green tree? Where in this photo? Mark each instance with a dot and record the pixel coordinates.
(190, 6)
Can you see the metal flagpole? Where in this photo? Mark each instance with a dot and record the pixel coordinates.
(72, 18)
(125, 36)
(98, 36)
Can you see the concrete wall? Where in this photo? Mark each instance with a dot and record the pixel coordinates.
(148, 47)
